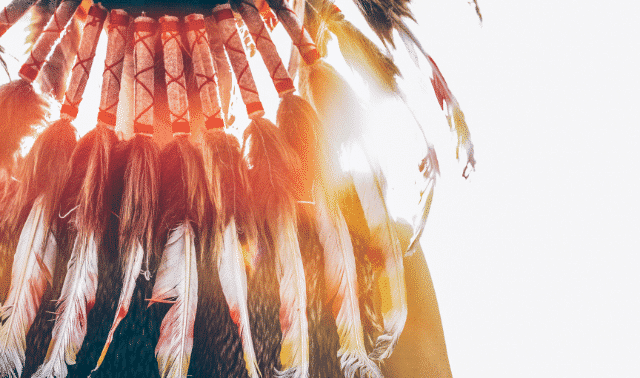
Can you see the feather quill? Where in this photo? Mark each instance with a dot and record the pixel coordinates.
(177, 283)
(28, 282)
(272, 161)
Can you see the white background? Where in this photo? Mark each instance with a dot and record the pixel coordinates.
(535, 259)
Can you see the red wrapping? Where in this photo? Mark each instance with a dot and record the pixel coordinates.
(296, 30)
(84, 59)
(226, 26)
(43, 46)
(174, 76)
(143, 88)
(12, 13)
(113, 65)
(204, 71)
(264, 44)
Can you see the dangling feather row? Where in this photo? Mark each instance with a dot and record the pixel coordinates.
(197, 210)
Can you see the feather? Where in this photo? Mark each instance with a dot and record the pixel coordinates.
(301, 126)
(384, 236)
(227, 191)
(87, 191)
(176, 283)
(42, 173)
(430, 170)
(137, 217)
(342, 286)
(76, 300)
(272, 162)
(28, 282)
(444, 96)
(326, 89)
(233, 279)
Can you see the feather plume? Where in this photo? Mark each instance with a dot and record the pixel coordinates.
(185, 210)
(272, 162)
(79, 289)
(342, 286)
(137, 216)
(176, 283)
(33, 263)
(359, 52)
(384, 236)
(341, 129)
(444, 96)
(41, 174)
(227, 190)
(301, 126)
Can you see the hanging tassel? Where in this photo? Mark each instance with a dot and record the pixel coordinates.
(271, 160)
(140, 196)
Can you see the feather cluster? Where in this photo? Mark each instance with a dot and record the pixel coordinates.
(201, 255)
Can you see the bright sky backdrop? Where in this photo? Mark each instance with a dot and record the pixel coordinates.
(535, 259)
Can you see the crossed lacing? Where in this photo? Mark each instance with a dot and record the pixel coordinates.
(142, 39)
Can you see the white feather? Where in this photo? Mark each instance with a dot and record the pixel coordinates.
(383, 235)
(293, 297)
(131, 273)
(342, 284)
(233, 278)
(77, 297)
(177, 283)
(28, 283)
